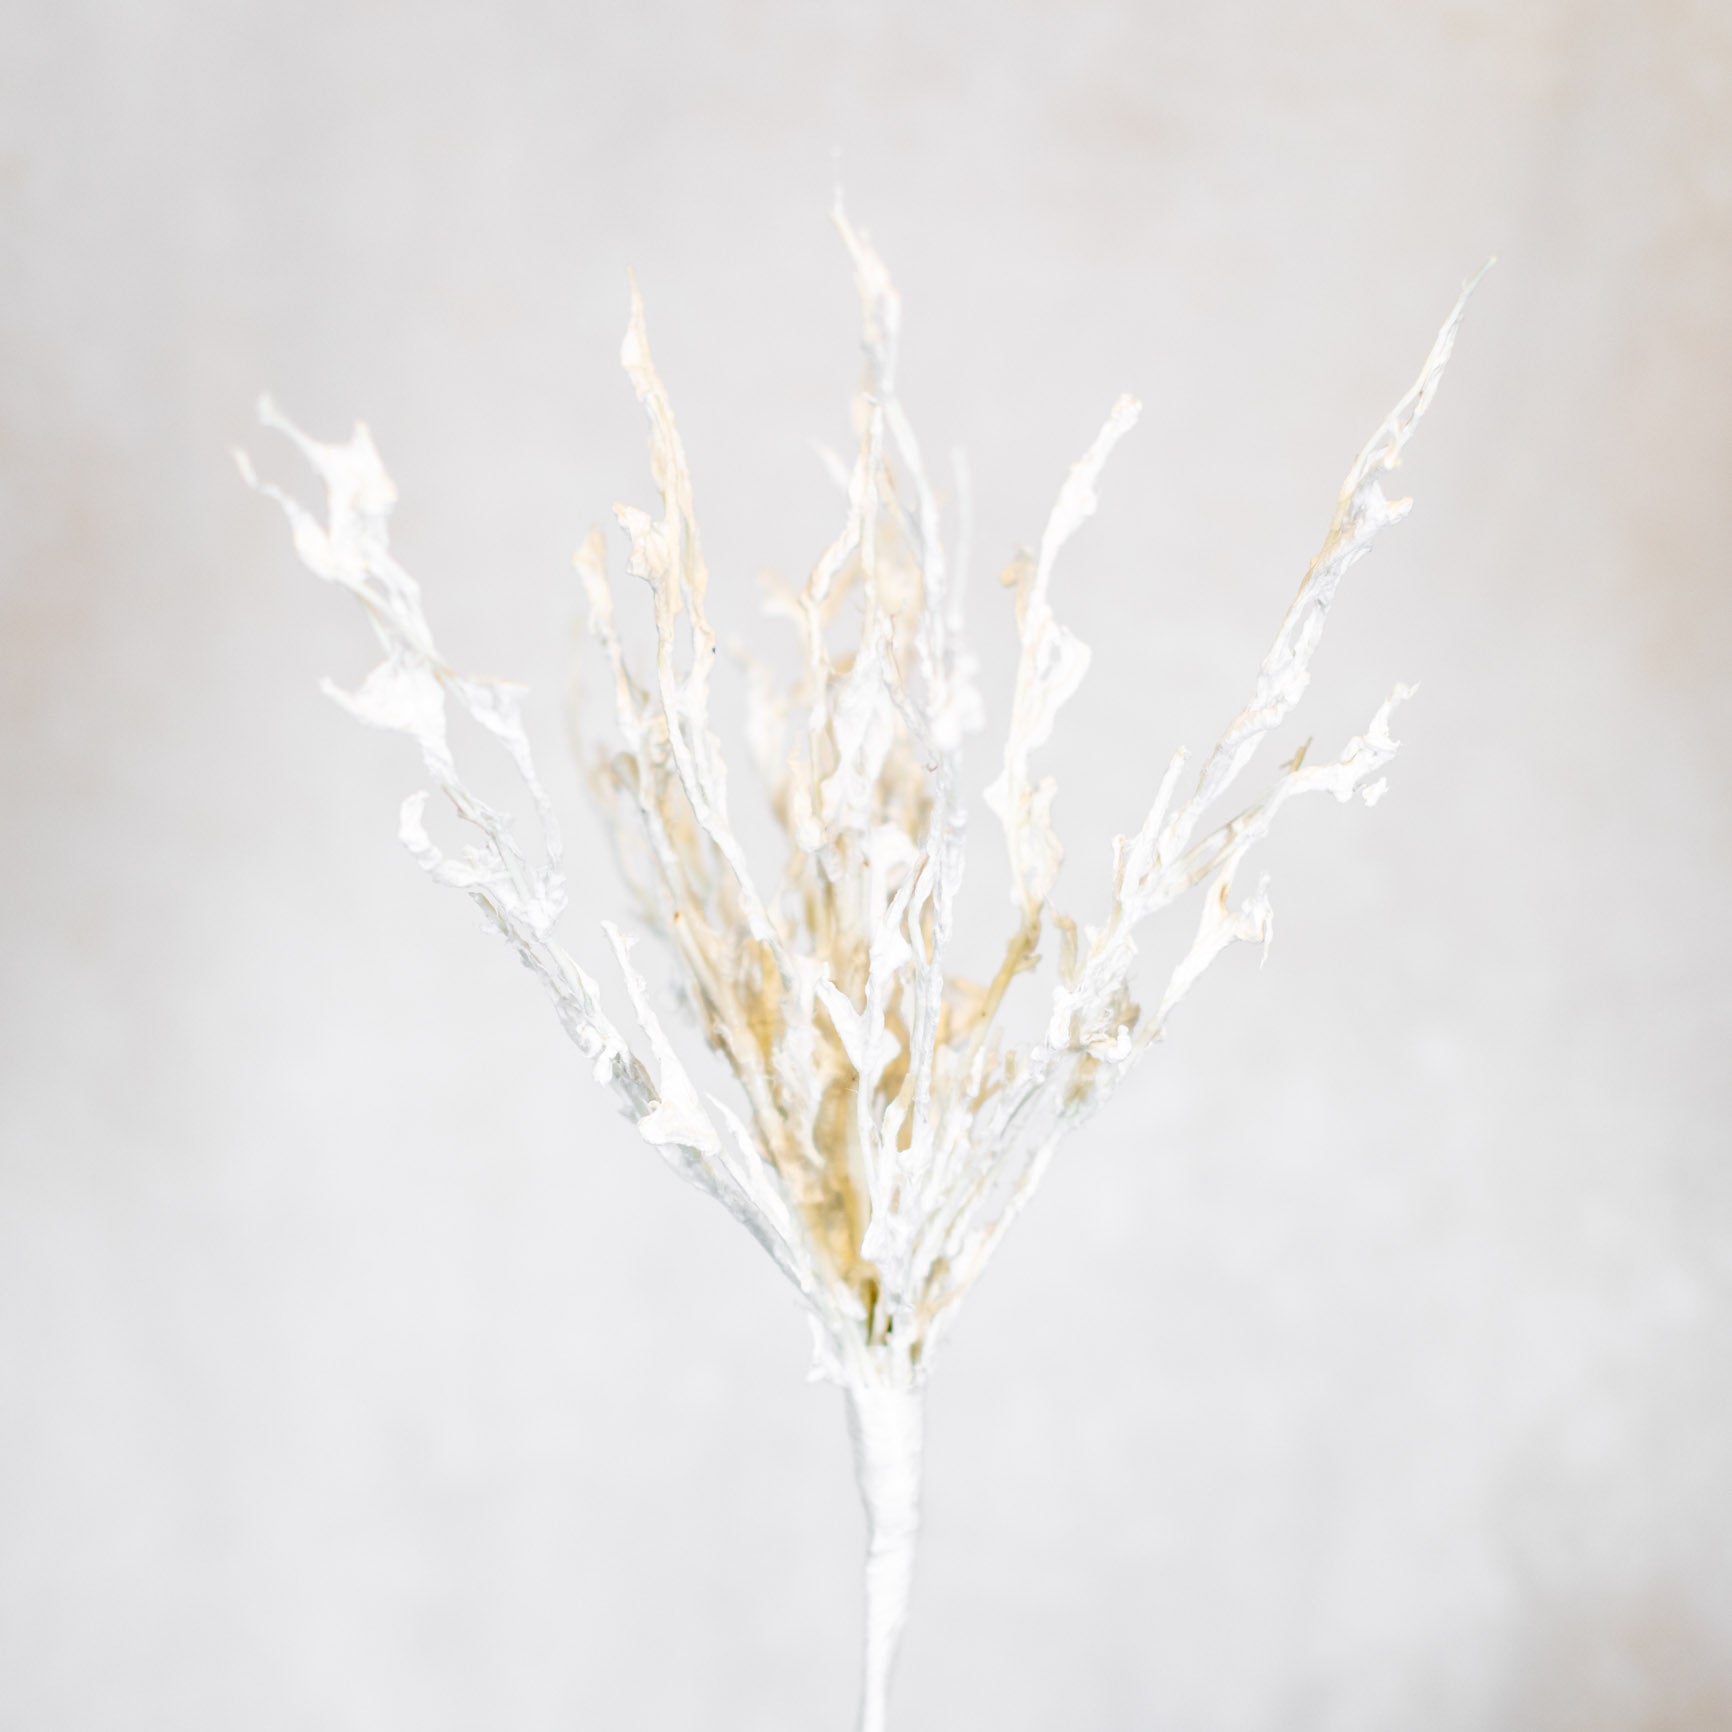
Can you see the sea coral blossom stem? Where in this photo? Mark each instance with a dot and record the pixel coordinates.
(892, 1129)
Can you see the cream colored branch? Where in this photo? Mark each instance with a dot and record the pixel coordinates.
(885, 1134)
(406, 693)
(1361, 511)
(1051, 667)
(668, 556)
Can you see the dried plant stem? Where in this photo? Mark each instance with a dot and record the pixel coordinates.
(886, 1427)
(893, 1127)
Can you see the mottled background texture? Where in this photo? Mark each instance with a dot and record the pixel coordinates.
(1367, 1365)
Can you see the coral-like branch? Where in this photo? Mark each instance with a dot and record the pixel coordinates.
(890, 1134)
(1051, 668)
(522, 899)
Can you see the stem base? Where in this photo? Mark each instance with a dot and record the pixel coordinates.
(886, 1427)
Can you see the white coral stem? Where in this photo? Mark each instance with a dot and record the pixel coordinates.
(891, 1134)
(886, 1428)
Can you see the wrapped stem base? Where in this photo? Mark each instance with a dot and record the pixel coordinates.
(886, 1427)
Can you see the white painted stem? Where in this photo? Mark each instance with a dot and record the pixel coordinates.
(886, 1427)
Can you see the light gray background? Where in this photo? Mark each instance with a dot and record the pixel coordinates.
(1366, 1366)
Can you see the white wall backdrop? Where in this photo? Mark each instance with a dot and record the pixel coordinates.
(1365, 1366)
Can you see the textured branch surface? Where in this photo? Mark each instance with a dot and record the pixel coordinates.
(886, 1131)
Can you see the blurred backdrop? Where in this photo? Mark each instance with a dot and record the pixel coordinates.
(1365, 1365)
